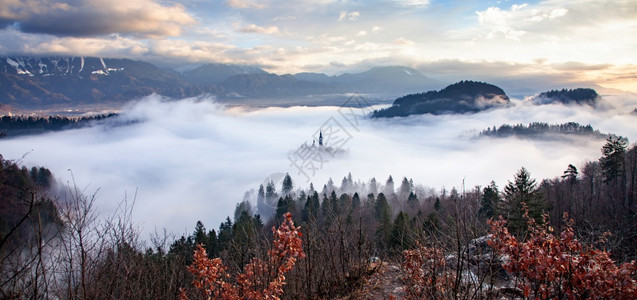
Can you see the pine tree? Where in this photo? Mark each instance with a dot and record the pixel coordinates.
(345, 187)
(334, 203)
(405, 189)
(383, 215)
(225, 234)
(261, 205)
(312, 207)
(200, 236)
(400, 234)
(330, 185)
(412, 200)
(522, 191)
(389, 186)
(373, 186)
(240, 208)
(288, 185)
(489, 206)
(356, 202)
(612, 160)
(570, 175)
(271, 197)
(381, 206)
(212, 246)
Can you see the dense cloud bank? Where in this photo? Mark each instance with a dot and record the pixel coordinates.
(194, 159)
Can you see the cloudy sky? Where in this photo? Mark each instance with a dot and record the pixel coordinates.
(575, 40)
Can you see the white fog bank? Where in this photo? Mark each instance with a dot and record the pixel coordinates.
(193, 160)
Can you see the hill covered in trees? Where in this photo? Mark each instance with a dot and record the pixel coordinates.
(462, 97)
(544, 130)
(579, 96)
(330, 241)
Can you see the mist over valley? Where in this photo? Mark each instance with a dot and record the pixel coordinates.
(195, 158)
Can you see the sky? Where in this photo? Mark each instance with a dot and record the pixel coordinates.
(194, 159)
(585, 41)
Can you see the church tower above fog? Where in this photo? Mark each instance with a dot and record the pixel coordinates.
(320, 138)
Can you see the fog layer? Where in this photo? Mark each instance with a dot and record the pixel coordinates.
(193, 159)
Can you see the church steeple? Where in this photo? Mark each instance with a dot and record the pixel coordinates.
(320, 138)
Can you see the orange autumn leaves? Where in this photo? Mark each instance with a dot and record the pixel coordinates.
(548, 266)
(544, 266)
(261, 279)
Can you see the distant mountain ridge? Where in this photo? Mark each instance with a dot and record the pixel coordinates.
(461, 97)
(37, 81)
(216, 73)
(383, 80)
(31, 81)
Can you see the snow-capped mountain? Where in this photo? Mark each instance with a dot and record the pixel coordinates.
(57, 66)
(36, 81)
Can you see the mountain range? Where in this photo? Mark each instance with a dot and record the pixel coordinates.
(30, 82)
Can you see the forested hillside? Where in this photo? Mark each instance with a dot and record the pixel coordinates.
(461, 97)
(337, 237)
(544, 130)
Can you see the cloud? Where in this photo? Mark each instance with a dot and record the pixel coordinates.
(403, 41)
(193, 159)
(352, 16)
(246, 4)
(97, 17)
(413, 2)
(284, 18)
(252, 28)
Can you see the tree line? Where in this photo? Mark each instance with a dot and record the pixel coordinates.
(538, 129)
(21, 125)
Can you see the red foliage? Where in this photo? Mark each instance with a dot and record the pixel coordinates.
(550, 266)
(426, 274)
(260, 280)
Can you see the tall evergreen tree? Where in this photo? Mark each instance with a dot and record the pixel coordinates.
(243, 239)
(330, 185)
(612, 160)
(240, 208)
(356, 201)
(200, 236)
(412, 200)
(383, 214)
(381, 206)
(404, 190)
(261, 205)
(225, 234)
(570, 175)
(345, 186)
(212, 247)
(373, 186)
(522, 190)
(271, 197)
(288, 185)
(489, 206)
(389, 187)
(312, 207)
(401, 232)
